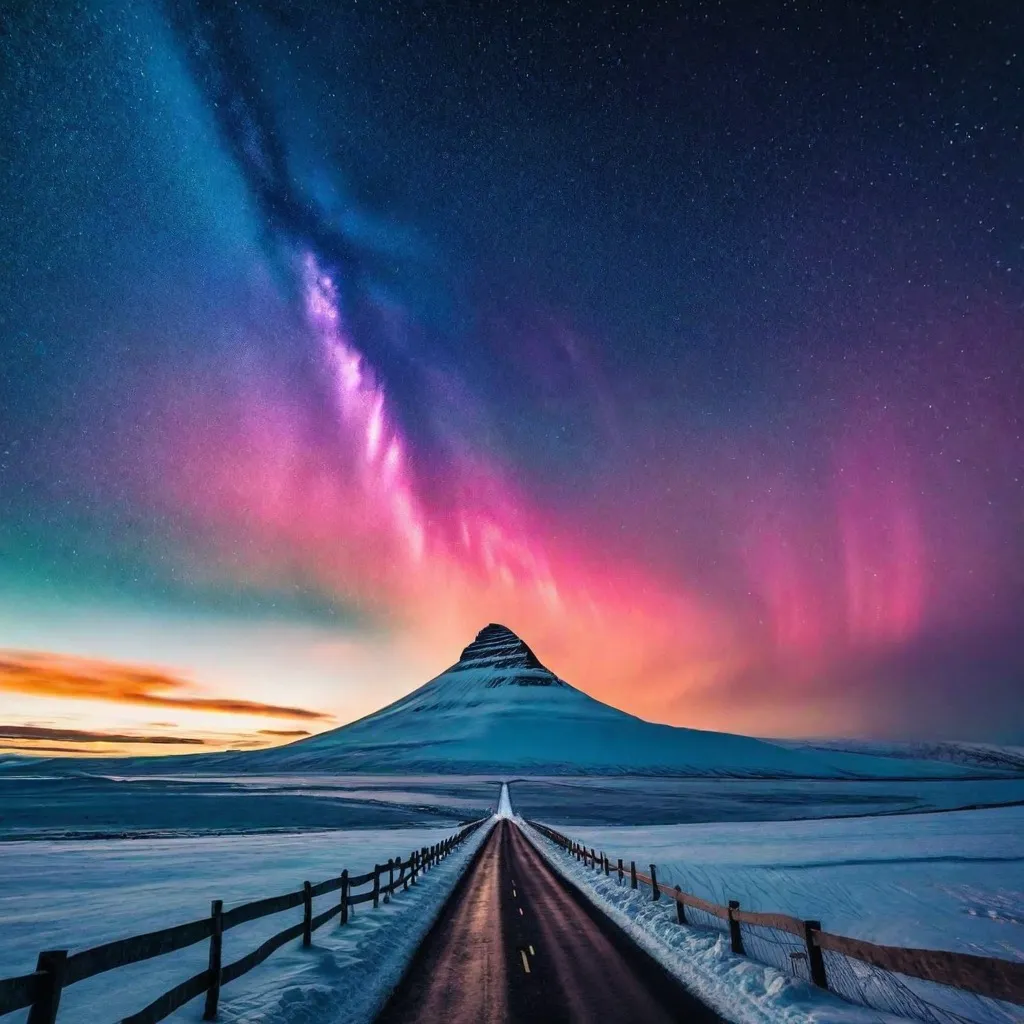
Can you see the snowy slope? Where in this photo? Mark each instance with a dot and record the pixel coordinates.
(498, 709)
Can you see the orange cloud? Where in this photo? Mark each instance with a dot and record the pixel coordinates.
(42, 674)
(284, 732)
(37, 732)
(34, 748)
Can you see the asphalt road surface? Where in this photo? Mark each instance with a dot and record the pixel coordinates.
(516, 943)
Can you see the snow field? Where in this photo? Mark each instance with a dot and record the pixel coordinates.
(946, 881)
(739, 989)
(79, 894)
(951, 880)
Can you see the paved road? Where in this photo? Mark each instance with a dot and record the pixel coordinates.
(516, 943)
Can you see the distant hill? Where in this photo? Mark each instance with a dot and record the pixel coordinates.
(991, 756)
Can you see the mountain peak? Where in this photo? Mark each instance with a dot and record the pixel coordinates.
(496, 646)
(499, 710)
(497, 657)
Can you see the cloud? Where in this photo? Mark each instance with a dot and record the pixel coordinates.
(37, 732)
(32, 748)
(43, 674)
(285, 732)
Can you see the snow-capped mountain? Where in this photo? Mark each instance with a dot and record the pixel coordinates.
(499, 710)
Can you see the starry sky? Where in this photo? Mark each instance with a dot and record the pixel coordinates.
(687, 340)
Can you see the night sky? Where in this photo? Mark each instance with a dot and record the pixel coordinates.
(687, 340)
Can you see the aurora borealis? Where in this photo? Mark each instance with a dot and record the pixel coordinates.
(689, 344)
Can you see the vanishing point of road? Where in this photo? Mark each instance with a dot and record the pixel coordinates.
(516, 943)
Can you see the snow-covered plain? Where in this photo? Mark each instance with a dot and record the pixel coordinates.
(740, 989)
(949, 881)
(73, 895)
(953, 880)
(36, 803)
(609, 800)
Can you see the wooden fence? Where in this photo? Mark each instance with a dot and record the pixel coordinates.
(56, 969)
(985, 976)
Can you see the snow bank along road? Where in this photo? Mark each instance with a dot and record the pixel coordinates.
(515, 942)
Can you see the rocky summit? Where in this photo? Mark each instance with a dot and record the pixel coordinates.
(511, 662)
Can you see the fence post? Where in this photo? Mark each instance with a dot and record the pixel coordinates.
(344, 897)
(632, 874)
(414, 857)
(655, 891)
(307, 914)
(403, 875)
(52, 963)
(680, 909)
(213, 971)
(376, 886)
(391, 879)
(815, 959)
(604, 857)
(593, 857)
(620, 869)
(735, 935)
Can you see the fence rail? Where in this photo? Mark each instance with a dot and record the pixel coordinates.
(985, 976)
(56, 970)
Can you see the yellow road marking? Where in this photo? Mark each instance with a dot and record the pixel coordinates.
(526, 963)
